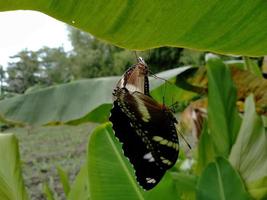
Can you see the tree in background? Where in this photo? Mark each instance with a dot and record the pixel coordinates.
(55, 66)
(23, 72)
(164, 58)
(2, 76)
(93, 58)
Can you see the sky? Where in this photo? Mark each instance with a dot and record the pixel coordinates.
(29, 30)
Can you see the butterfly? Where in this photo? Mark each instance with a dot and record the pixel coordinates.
(146, 128)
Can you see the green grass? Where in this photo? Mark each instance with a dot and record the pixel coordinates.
(43, 148)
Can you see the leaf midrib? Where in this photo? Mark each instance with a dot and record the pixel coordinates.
(221, 188)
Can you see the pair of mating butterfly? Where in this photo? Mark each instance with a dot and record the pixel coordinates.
(146, 128)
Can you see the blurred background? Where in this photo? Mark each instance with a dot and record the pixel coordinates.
(38, 51)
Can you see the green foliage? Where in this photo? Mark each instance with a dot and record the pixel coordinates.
(224, 121)
(109, 175)
(185, 185)
(23, 73)
(11, 182)
(80, 189)
(73, 103)
(249, 154)
(93, 58)
(55, 66)
(252, 66)
(205, 149)
(49, 194)
(117, 180)
(164, 58)
(64, 179)
(2, 76)
(220, 26)
(220, 181)
(44, 148)
(45, 67)
(89, 58)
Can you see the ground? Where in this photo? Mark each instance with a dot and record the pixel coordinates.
(44, 148)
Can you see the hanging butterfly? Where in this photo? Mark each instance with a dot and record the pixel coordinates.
(146, 128)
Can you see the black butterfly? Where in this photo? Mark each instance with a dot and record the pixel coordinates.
(146, 128)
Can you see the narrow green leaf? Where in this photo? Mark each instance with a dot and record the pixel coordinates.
(110, 174)
(220, 181)
(252, 66)
(224, 121)
(221, 26)
(64, 179)
(11, 181)
(249, 155)
(48, 192)
(79, 189)
(205, 150)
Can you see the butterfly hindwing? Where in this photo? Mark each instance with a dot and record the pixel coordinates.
(147, 131)
(147, 173)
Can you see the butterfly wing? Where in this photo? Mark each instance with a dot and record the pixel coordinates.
(148, 133)
(135, 78)
(134, 149)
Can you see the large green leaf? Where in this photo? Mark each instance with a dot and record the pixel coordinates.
(236, 27)
(73, 103)
(111, 175)
(223, 118)
(61, 103)
(249, 155)
(220, 181)
(11, 182)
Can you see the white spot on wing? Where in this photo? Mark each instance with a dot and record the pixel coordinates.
(149, 157)
(150, 180)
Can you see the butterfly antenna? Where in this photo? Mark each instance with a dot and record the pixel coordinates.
(136, 56)
(156, 77)
(172, 106)
(180, 133)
